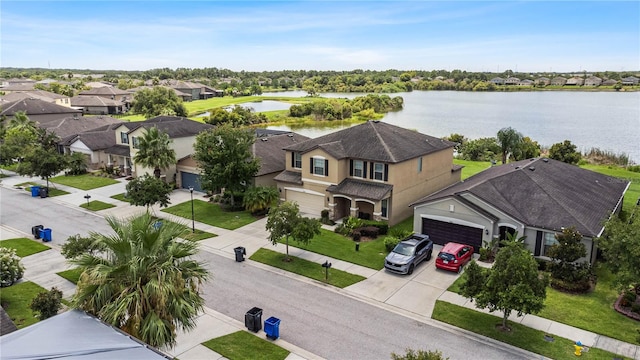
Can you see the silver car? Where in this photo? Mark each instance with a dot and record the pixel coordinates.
(410, 252)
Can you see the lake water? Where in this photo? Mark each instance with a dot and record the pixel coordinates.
(605, 120)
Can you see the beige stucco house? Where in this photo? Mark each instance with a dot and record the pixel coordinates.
(372, 171)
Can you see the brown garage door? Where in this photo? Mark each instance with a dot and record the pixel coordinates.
(441, 232)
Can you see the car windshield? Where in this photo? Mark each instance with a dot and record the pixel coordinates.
(445, 256)
(404, 249)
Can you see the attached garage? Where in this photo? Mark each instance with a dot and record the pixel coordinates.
(188, 180)
(441, 232)
(308, 203)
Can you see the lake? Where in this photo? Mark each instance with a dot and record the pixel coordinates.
(605, 120)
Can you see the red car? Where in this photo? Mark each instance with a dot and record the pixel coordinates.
(454, 256)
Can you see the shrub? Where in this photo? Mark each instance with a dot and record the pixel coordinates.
(634, 168)
(47, 303)
(383, 226)
(543, 265)
(419, 355)
(390, 242)
(77, 245)
(635, 308)
(575, 287)
(369, 231)
(10, 268)
(400, 234)
(356, 235)
(628, 298)
(484, 254)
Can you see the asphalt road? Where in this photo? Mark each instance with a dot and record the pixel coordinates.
(314, 318)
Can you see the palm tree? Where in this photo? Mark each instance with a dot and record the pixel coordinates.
(259, 198)
(21, 121)
(145, 281)
(154, 151)
(509, 140)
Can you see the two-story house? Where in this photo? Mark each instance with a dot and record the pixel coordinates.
(373, 170)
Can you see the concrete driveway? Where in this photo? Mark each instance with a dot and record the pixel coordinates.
(416, 293)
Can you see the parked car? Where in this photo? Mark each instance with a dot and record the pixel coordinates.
(454, 256)
(409, 252)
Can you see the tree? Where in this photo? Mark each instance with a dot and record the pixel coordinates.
(620, 245)
(21, 121)
(148, 190)
(565, 152)
(512, 284)
(155, 151)
(11, 270)
(43, 158)
(509, 140)
(528, 149)
(284, 221)
(77, 245)
(419, 355)
(260, 198)
(459, 139)
(47, 303)
(146, 283)
(157, 101)
(77, 163)
(224, 154)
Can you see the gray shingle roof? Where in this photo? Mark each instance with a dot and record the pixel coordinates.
(6, 325)
(86, 100)
(270, 151)
(35, 107)
(97, 139)
(544, 193)
(362, 189)
(289, 177)
(71, 125)
(35, 94)
(375, 141)
(174, 126)
(104, 91)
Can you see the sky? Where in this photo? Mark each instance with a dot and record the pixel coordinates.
(523, 36)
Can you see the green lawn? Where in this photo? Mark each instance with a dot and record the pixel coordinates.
(242, 345)
(120, 197)
(592, 312)
(96, 205)
(24, 246)
(371, 254)
(471, 167)
(72, 275)
(212, 214)
(196, 236)
(519, 336)
(632, 194)
(135, 117)
(200, 106)
(16, 300)
(83, 182)
(306, 268)
(52, 191)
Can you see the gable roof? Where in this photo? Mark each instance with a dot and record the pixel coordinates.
(544, 193)
(86, 100)
(100, 138)
(35, 107)
(104, 91)
(72, 125)
(270, 150)
(34, 94)
(174, 126)
(384, 143)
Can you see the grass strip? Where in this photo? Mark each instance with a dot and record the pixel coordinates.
(195, 236)
(52, 191)
(24, 246)
(211, 214)
(16, 301)
(84, 181)
(520, 336)
(120, 197)
(72, 275)
(306, 268)
(96, 205)
(241, 345)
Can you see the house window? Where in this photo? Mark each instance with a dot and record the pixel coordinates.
(297, 160)
(124, 138)
(358, 168)
(549, 240)
(378, 171)
(320, 166)
(419, 164)
(385, 208)
(135, 142)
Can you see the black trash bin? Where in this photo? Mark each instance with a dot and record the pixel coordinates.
(35, 231)
(253, 319)
(44, 192)
(240, 253)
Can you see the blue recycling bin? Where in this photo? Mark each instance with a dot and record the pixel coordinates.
(45, 234)
(272, 327)
(35, 191)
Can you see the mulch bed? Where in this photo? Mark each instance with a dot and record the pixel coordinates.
(626, 310)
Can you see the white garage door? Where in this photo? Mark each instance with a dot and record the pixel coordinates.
(308, 203)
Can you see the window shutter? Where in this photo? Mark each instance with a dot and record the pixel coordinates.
(371, 170)
(351, 167)
(293, 159)
(536, 250)
(311, 167)
(364, 169)
(326, 167)
(386, 172)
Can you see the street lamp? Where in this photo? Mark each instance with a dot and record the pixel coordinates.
(87, 197)
(193, 219)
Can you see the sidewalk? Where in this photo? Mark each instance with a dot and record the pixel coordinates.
(412, 296)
